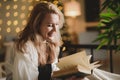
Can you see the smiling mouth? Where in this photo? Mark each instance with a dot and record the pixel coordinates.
(50, 34)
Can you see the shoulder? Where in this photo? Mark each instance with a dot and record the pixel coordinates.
(29, 55)
(29, 45)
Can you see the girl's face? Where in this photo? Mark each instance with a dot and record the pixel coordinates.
(50, 27)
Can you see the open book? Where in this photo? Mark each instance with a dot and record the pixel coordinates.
(77, 63)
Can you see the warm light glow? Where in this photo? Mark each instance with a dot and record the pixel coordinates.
(9, 22)
(15, 7)
(37, 0)
(0, 4)
(7, 14)
(17, 30)
(8, 29)
(8, 7)
(0, 37)
(64, 48)
(23, 7)
(60, 7)
(30, 8)
(15, 0)
(4, 0)
(15, 14)
(24, 22)
(72, 8)
(15, 22)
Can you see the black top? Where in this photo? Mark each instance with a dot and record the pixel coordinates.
(45, 72)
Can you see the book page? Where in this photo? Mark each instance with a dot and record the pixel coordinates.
(79, 58)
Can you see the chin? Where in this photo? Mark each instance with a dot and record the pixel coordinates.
(51, 39)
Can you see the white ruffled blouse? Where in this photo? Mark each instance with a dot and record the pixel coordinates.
(26, 65)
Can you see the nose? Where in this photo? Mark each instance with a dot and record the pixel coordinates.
(54, 28)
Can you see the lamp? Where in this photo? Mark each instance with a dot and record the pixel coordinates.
(71, 11)
(72, 8)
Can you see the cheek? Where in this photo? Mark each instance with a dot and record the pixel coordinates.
(49, 29)
(42, 28)
(44, 32)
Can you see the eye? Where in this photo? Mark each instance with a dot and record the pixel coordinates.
(57, 24)
(49, 25)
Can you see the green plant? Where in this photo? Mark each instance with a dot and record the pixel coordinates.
(110, 21)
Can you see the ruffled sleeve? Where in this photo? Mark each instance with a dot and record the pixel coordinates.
(26, 64)
(54, 66)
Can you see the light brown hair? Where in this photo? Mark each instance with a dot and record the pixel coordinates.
(48, 51)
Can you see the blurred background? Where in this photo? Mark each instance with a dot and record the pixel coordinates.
(80, 28)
